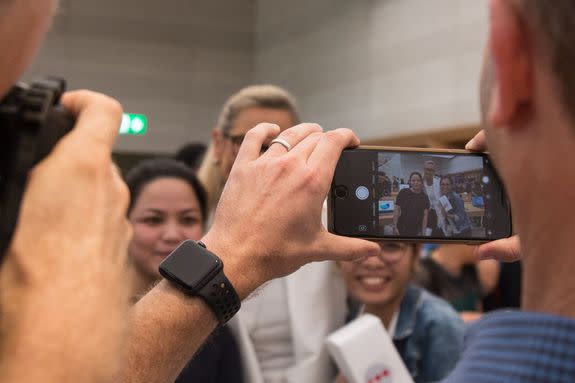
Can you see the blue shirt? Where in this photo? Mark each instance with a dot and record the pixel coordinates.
(518, 347)
(458, 205)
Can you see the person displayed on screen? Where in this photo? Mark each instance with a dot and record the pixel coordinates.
(426, 331)
(395, 184)
(412, 208)
(167, 206)
(432, 188)
(384, 184)
(457, 222)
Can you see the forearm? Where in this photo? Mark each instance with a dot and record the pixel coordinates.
(396, 215)
(166, 329)
(424, 223)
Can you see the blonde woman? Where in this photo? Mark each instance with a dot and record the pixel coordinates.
(281, 329)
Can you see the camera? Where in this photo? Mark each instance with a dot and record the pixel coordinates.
(31, 122)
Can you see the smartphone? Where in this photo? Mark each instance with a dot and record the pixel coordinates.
(418, 195)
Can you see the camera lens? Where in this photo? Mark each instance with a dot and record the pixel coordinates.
(340, 192)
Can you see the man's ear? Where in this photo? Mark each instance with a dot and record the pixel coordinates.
(510, 55)
(218, 139)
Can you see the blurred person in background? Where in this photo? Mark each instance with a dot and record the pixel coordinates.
(191, 154)
(241, 112)
(454, 273)
(168, 206)
(281, 329)
(426, 330)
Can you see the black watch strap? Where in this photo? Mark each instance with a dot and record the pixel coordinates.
(199, 272)
(222, 298)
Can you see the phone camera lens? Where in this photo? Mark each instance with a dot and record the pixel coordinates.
(341, 192)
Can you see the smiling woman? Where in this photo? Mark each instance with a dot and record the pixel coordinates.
(168, 206)
(426, 331)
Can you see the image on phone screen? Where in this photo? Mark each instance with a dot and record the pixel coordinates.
(418, 195)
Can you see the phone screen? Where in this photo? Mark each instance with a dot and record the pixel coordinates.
(418, 195)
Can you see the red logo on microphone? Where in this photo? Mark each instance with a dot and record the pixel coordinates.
(378, 373)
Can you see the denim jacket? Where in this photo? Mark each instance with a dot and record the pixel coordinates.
(428, 336)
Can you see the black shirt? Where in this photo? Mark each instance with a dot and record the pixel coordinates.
(412, 207)
(218, 361)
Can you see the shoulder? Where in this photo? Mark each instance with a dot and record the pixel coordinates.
(517, 337)
(404, 191)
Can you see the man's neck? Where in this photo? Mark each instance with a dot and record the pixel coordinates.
(548, 255)
(429, 181)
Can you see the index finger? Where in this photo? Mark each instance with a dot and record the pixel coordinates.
(98, 116)
(252, 146)
(477, 143)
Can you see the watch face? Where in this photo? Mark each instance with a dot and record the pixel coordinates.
(191, 266)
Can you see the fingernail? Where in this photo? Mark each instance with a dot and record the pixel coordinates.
(470, 144)
(483, 255)
(374, 251)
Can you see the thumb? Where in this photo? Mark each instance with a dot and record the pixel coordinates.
(506, 250)
(337, 248)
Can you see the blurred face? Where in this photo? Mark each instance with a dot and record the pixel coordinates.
(380, 281)
(429, 171)
(166, 213)
(23, 24)
(416, 183)
(227, 146)
(445, 186)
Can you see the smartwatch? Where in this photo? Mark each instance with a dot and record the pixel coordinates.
(198, 272)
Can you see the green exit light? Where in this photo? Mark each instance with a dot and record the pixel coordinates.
(134, 124)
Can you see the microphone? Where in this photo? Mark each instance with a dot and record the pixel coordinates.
(364, 353)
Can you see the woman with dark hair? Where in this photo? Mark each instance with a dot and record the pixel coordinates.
(426, 330)
(167, 206)
(412, 209)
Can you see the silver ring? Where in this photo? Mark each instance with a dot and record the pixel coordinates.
(282, 142)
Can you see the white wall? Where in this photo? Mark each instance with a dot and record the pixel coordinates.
(174, 60)
(381, 67)
(464, 164)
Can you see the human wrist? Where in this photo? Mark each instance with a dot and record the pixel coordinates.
(243, 278)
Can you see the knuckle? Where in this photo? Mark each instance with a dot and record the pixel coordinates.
(312, 182)
(285, 164)
(314, 126)
(333, 137)
(289, 135)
